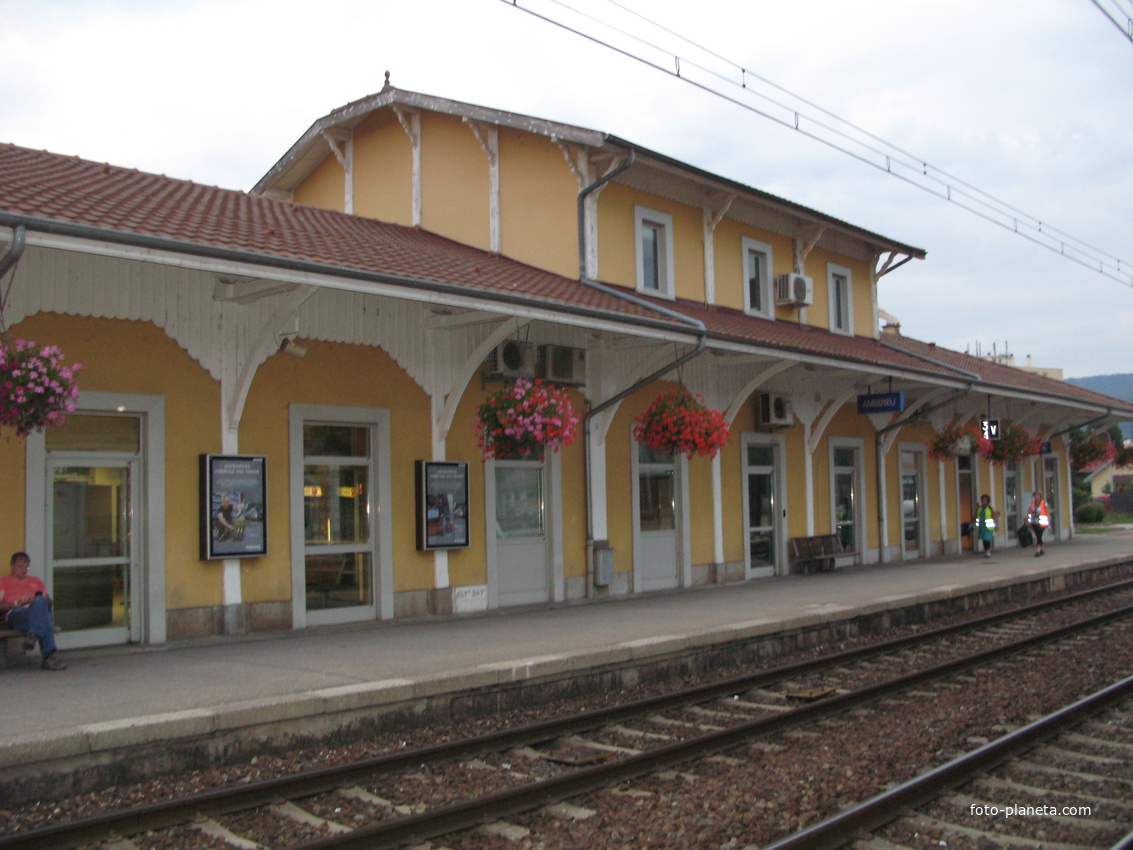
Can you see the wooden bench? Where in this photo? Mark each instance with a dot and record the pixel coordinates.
(815, 554)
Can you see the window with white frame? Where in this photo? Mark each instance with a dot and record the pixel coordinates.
(653, 232)
(839, 283)
(758, 295)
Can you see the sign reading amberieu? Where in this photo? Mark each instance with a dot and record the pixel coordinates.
(881, 403)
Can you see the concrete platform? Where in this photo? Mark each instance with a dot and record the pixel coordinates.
(300, 683)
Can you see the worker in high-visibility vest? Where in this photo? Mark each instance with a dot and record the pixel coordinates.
(1038, 515)
(985, 524)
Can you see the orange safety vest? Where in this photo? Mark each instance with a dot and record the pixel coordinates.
(1038, 514)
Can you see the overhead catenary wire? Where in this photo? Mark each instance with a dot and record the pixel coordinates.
(737, 84)
(1120, 15)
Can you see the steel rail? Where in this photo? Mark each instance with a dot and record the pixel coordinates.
(470, 813)
(65, 836)
(890, 805)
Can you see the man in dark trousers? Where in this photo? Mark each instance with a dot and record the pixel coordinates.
(27, 608)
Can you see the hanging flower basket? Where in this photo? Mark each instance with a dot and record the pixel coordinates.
(1014, 443)
(1095, 448)
(36, 390)
(680, 423)
(523, 419)
(955, 441)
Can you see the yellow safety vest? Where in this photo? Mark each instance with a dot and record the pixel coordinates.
(986, 517)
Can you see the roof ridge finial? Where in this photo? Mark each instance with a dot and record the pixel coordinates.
(387, 85)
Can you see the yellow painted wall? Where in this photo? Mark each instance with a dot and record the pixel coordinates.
(619, 471)
(619, 484)
(325, 187)
(574, 497)
(468, 566)
(347, 375)
(136, 357)
(617, 246)
(818, 314)
(12, 495)
(732, 486)
(730, 261)
(383, 170)
(701, 515)
(454, 181)
(538, 210)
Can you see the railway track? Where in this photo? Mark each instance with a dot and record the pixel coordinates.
(401, 798)
(1065, 779)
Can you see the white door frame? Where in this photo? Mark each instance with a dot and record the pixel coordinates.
(149, 522)
(552, 517)
(381, 540)
(683, 541)
(777, 442)
(923, 521)
(860, 493)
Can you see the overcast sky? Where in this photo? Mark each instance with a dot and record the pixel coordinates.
(1029, 101)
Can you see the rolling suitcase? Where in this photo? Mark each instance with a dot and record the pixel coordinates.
(1024, 535)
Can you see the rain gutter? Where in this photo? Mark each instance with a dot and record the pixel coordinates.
(236, 255)
(941, 364)
(15, 251)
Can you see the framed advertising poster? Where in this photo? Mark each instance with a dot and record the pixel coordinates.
(442, 505)
(233, 506)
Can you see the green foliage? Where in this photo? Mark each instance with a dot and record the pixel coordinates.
(1081, 492)
(1090, 512)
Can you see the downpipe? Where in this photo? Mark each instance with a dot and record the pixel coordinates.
(697, 326)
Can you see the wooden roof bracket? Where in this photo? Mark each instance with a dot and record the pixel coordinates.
(802, 250)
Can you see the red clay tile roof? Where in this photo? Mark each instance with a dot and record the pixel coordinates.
(1006, 377)
(127, 205)
(68, 189)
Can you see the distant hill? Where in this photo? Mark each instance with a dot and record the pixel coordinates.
(1118, 386)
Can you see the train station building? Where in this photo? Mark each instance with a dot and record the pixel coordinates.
(276, 424)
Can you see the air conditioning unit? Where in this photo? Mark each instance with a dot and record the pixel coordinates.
(773, 411)
(512, 358)
(562, 364)
(794, 289)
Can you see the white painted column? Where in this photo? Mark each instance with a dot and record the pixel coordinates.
(717, 511)
(232, 592)
(942, 495)
(596, 461)
(439, 436)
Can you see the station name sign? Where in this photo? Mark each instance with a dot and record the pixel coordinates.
(881, 403)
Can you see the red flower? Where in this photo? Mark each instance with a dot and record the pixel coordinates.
(679, 423)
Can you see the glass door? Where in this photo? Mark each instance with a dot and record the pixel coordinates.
(338, 542)
(90, 549)
(1051, 493)
(1011, 496)
(911, 507)
(846, 497)
(762, 528)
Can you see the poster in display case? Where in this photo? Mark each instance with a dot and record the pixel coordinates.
(233, 506)
(442, 505)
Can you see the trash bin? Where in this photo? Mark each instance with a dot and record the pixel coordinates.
(603, 560)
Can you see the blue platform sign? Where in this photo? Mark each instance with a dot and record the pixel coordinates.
(881, 403)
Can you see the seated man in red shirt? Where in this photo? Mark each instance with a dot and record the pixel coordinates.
(27, 607)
